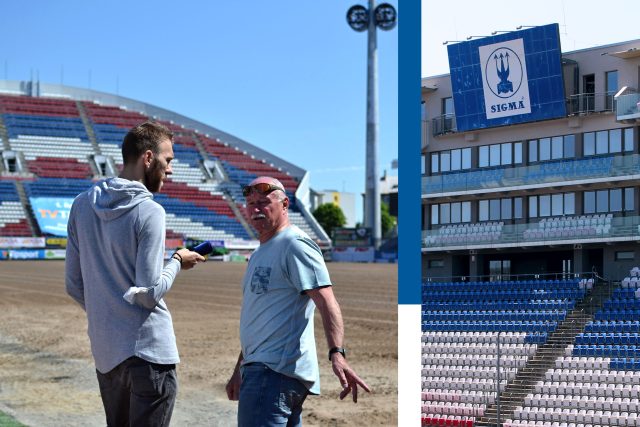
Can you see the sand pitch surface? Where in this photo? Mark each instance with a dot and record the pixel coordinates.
(47, 376)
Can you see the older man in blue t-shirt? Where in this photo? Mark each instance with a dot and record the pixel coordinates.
(286, 279)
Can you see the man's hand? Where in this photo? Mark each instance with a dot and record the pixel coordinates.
(189, 258)
(349, 380)
(233, 386)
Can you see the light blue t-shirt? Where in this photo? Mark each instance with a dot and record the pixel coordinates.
(276, 321)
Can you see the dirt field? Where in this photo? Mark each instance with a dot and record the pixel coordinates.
(47, 377)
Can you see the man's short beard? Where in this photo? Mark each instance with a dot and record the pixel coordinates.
(153, 180)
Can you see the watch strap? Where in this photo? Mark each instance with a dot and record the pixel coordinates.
(340, 350)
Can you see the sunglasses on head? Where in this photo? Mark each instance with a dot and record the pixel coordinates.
(263, 189)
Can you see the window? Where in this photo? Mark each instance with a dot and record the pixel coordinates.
(615, 200)
(555, 148)
(483, 156)
(628, 139)
(447, 106)
(552, 205)
(466, 211)
(466, 158)
(456, 213)
(615, 141)
(505, 210)
(628, 199)
(611, 80)
(545, 149)
(451, 160)
(545, 205)
(569, 203)
(517, 208)
(602, 142)
(436, 263)
(445, 161)
(494, 209)
(483, 210)
(589, 202)
(500, 209)
(517, 153)
(602, 201)
(451, 213)
(456, 160)
(505, 154)
(533, 206)
(608, 141)
(434, 215)
(533, 150)
(494, 155)
(557, 202)
(625, 255)
(445, 213)
(435, 163)
(569, 146)
(589, 144)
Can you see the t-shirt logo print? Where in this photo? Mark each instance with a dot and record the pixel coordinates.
(260, 280)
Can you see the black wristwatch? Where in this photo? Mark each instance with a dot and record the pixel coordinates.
(340, 350)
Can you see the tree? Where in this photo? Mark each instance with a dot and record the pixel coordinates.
(386, 219)
(329, 216)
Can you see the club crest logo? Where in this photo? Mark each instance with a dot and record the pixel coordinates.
(508, 69)
(504, 79)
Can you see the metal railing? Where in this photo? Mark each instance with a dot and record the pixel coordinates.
(588, 103)
(573, 229)
(543, 173)
(443, 124)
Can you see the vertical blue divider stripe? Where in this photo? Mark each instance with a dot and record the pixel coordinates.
(409, 83)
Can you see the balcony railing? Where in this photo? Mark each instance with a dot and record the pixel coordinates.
(578, 104)
(443, 124)
(628, 106)
(588, 103)
(573, 229)
(539, 174)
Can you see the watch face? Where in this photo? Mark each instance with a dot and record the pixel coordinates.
(358, 17)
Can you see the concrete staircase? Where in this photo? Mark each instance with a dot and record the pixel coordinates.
(4, 134)
(524, 382)
(239, 216)
(88, 127)
(33, 226)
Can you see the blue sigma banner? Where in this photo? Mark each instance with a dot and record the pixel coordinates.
(507, 79)
(52, 214)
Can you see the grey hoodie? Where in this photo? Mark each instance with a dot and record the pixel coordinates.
(116, 241)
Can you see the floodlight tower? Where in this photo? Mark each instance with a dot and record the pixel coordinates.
(361, 19)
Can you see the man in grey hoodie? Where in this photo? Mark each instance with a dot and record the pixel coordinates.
(114, 270)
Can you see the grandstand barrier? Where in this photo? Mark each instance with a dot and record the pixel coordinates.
(581, 228)
(596, 168)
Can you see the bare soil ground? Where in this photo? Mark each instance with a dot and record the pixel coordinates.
(47, 376)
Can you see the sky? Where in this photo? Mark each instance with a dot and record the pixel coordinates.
(583, 24)
(287, 76)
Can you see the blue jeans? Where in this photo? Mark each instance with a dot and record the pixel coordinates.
(268, 398)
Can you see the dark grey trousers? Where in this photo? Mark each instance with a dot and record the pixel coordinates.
(137, 393)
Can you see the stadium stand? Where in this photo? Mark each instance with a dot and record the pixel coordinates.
(61, 146)
(13, 218)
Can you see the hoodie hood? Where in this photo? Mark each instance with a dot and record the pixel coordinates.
(114, 197)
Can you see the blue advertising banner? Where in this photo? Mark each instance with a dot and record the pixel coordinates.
(52, 214)
(508, 78)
